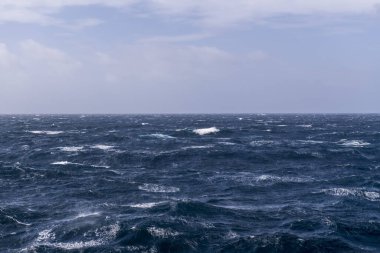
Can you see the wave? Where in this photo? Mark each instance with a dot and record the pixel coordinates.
(65, 163)
(71, 149)
(46, 132)
(227, 143)
(263, 143)
(146, 205)
(102, 147)
(305, 126)
(87, 214)
(160, 136)
(198, 147)
(100, 166)
(284, 179)
(355, 192)
(305, 142)
(162, 233)
(204, 131)
(105, 234)
(17, 221)
(257, 180)
(158, 188)
(354, 143)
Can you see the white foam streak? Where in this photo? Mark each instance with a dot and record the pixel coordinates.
(101, 166)
(102, 147)
(146, 205)
(161, 136)
(17, 221)
(158, 188)
(84, 215)
(105, 235)
(71, 149)
(46, 132)
(198, 147)
(204, 131)
(354, 192)
(262, 143)
(65, 163)
(354, 143)
(162, 233)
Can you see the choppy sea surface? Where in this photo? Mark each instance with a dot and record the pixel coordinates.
(190, 183)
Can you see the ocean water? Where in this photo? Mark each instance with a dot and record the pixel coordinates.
(190, 183)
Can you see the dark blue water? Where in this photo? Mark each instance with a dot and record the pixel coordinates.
(253, 183)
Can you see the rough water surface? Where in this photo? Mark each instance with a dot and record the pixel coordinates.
(190, 183)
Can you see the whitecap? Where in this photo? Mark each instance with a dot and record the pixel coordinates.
(144, 124)
(116, 172)
(198, 147)
(17, 221)
(355, 192)
(104, 234)
(231, 235)
(146, 205)
(158, 188)
(87, 214)
(65, 163)
(44, 235)
(100, 166)
(162, 233)
(262, 143)
(46, 132)
(281, 179)
(310, 142)
(306, 126)
(204, 131)
(227, 143)
(102, 147)
(161, 136)
(354, 143)
(71, 149)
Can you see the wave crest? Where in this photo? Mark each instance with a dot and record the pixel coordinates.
(204, 131)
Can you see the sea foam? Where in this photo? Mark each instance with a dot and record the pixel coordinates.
(71, 149)
(354, 192)
(46, 132)
(354, 143)
(65, 163)
(161, 136)
(158, 188)
(102, 147)
(204, 131)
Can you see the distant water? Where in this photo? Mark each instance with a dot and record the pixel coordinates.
(190, 183)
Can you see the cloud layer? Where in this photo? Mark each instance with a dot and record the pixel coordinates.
(206, 12)
(183, 56)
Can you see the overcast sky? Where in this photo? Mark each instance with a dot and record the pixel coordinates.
(189, 56)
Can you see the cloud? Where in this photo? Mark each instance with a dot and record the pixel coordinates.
(54, 61)
(176, 38)
(43, 12)
(6, 57)
(224, 13)
(31, 63)
(154, 63)
(217, 13)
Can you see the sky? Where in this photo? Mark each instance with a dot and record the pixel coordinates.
(189, 56)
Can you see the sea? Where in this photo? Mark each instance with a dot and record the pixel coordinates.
(190, 183)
